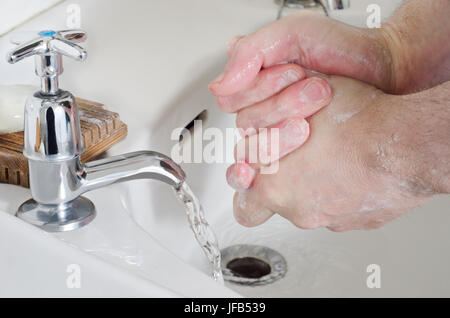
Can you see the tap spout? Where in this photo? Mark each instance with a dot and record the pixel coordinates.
(131, 166)
(58, 206)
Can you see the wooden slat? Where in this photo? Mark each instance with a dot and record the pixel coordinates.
(100, 130)
(102, 113)
(88, 102)
(92, 152)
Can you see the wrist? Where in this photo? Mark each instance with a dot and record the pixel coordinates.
(411, 144)
(416, 39)
(396, 60)
(390, 59)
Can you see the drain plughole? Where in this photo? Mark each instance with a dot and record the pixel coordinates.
(252, 265)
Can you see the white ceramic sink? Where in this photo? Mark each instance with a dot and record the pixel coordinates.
(151, 61)
(411, 251)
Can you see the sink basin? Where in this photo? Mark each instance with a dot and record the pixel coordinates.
(320, 263)
(140, 243)
(114, 256)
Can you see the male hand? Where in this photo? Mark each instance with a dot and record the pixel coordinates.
(359, 169)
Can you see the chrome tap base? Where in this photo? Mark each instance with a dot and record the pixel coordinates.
(58, 218)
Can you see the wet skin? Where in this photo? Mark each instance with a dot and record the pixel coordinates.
(371, 155)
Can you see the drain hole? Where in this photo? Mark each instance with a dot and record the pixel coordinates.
(252, 265)
(249, 267)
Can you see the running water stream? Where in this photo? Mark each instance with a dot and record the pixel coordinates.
(114, 237)
(202, 230)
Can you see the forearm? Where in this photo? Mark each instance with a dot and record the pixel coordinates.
(417, 37)
(409, 53)
(416, 145)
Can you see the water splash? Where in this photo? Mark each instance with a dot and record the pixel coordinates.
(201, 229)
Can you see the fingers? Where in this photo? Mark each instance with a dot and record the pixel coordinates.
(265, 198)
(310, 40)
(250, 154)
(267, 83)
(275, 143)
(268, 196)
(248, 209)
(266, 47)
(301, 99)
(276, 43)
(240, 176)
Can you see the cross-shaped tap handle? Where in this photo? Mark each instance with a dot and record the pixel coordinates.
(48, 47)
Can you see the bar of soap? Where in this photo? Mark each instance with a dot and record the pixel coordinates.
(12, 103)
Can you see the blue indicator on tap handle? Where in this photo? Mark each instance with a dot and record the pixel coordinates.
(47, 33)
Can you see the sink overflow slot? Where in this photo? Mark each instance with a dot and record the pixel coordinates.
(189, 128)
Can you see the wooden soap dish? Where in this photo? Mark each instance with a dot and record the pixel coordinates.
(100, 129)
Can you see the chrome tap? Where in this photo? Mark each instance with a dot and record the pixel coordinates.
(53, 144)
(324, 5)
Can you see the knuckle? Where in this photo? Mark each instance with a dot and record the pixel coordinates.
(295, 68)
(225, 104)
(242, 219)
(292, 73)
(242, 120)
(244, 43)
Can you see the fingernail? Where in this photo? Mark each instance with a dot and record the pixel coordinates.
(296, 127)
(293, 135)
(314, 92)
